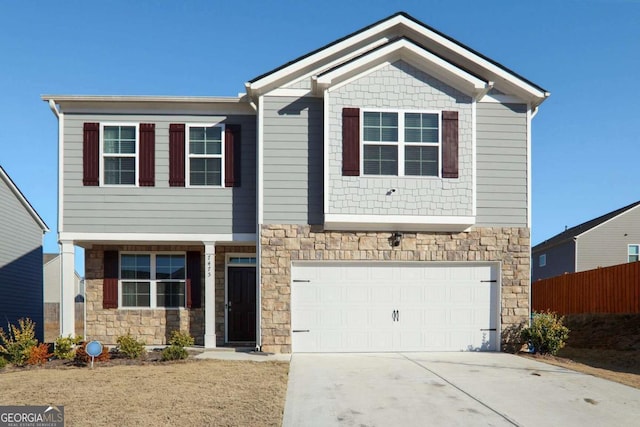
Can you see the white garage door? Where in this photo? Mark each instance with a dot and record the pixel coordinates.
(387, 306)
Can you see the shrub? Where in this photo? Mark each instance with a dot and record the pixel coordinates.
(3, 362)
(82, 358)
(16, 344)
(39, 354)
(177, 343)
(65, 347)
(546, 334)
(130, 347)
(174, 352)
(181, 339)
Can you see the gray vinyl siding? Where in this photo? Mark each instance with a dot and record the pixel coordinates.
(501, 164)
(21, 290)
(293, 160)
(560, 260)
(607, 244)
(158, 209)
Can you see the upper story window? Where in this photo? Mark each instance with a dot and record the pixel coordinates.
(205, 155)
(152, 280)
(633, 253)
(401, 143)
(542, 260)
(119, 154)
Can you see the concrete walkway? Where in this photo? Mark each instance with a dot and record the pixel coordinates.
(242, 354)
(450, 389)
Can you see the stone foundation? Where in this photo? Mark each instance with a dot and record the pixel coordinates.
(153, 326)
(282, 244)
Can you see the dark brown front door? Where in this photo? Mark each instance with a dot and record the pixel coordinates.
(241, 303)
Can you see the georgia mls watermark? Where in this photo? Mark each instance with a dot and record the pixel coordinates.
(31, 416)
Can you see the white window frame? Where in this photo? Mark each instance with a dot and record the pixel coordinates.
(401, 143)
(136, 155)
(542, 260)
(153, 288)
(629, 248)
(188, 155)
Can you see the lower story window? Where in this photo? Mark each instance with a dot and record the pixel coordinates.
(634, 253)
(152, 280)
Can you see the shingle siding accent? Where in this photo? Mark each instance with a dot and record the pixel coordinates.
(400, 86)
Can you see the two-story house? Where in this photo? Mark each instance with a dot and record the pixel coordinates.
(21, 272)
(371, 195)
(610, 239)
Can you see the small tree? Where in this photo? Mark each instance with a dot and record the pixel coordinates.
(547, 334)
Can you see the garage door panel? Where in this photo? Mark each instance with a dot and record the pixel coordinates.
(351, 306)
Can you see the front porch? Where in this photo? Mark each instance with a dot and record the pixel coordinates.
(213, 289)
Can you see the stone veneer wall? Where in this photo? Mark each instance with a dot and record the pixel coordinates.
(151, 326)
(282, 244)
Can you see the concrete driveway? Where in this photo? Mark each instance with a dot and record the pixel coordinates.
(450, 389)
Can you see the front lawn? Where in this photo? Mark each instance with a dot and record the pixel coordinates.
(194, 392)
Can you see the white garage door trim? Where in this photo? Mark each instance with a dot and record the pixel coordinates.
(374, 306)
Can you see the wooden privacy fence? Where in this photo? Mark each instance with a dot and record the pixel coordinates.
(613, 289)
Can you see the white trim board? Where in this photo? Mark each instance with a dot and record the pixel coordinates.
(397, 222)
(243, 238)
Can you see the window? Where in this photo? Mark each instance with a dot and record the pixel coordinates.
(119, 154)
(634, 253)
(401, 143)
(542, 261)
(204, 160)
(152, 280)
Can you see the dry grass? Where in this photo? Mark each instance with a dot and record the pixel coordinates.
(614, 365)
(204, 392)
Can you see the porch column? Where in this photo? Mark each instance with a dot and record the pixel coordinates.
(67, 289)
(209, 295)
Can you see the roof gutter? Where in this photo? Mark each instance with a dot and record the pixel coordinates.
(54, 108)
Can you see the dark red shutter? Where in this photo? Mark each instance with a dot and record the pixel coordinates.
(194, 279)
(176, 155)
(350, 141)
(91, 154)
(110, 286)
(147, 154)
(232, 156)
(450, 144)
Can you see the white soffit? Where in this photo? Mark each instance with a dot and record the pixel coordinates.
(404, 49)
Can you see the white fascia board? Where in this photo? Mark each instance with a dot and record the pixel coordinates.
(23, 200)
(501, 99)
(397, 222)
(405, 50)
(606, 222)
(311, 60)
(492, 68)
(151, 104)
(528, 90)
(129, 238)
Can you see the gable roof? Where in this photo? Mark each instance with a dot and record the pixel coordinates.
(397, 25)
(579, 229)
(23, 200)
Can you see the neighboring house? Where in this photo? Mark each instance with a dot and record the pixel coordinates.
(610, 239)
(52, 274)
(372, 195)
(21, 234)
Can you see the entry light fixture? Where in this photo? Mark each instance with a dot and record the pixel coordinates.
(395, 239)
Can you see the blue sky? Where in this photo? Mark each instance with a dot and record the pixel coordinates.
(586, 53)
